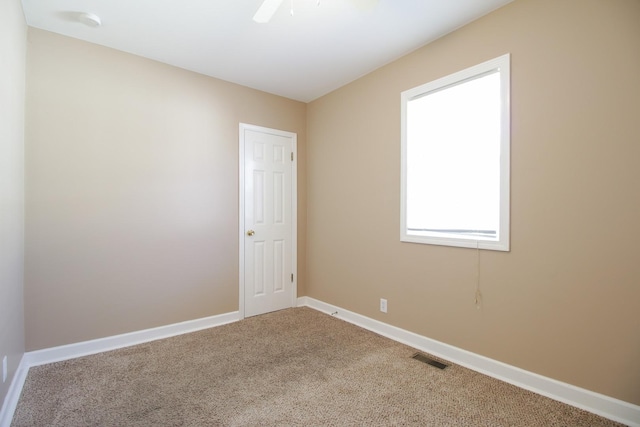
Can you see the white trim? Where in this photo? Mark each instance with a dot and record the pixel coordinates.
(605, 406)
(501, 63)
(13, 394)
(241, 226)
(596, 403)
(294, 219)
(294, 210)
(85, 348)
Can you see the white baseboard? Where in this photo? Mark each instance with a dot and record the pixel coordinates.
(13, 394)
(85, 348)
(596, 403)
(605, 406)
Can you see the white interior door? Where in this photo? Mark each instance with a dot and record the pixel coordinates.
(267, 220)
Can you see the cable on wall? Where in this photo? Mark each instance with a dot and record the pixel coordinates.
(478, 298)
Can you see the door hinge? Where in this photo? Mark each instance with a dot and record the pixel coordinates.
(292, 156)
(291, 277)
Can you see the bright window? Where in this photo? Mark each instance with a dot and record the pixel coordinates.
(455, 159)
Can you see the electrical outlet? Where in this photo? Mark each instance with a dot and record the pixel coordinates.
(4, 369)
(383, 305)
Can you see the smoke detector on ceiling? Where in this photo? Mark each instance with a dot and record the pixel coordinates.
(89, 19)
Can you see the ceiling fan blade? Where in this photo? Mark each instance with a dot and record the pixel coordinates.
(266, 11)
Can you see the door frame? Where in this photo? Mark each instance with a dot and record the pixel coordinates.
(294, 210)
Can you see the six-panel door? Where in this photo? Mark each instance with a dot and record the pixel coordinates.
(267, 222)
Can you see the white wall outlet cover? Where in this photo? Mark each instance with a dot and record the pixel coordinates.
(4, 369)
(383, 305)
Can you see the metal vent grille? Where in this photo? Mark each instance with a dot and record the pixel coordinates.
(429, 361)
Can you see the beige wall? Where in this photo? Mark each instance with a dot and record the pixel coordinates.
(565, 302)
(13, 34)
(132, 190)
(131, 170)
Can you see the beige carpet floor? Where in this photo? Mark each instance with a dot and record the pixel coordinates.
(296, 367)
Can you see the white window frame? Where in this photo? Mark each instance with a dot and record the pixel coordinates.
(501, 64)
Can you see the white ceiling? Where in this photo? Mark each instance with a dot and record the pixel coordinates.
(304, 56)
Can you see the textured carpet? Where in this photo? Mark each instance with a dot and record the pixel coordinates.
(293, 367)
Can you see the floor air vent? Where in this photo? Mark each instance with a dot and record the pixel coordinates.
(429, 361)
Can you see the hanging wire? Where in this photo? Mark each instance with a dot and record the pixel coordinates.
(478, 299)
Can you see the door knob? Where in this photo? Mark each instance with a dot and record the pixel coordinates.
(250, 233)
